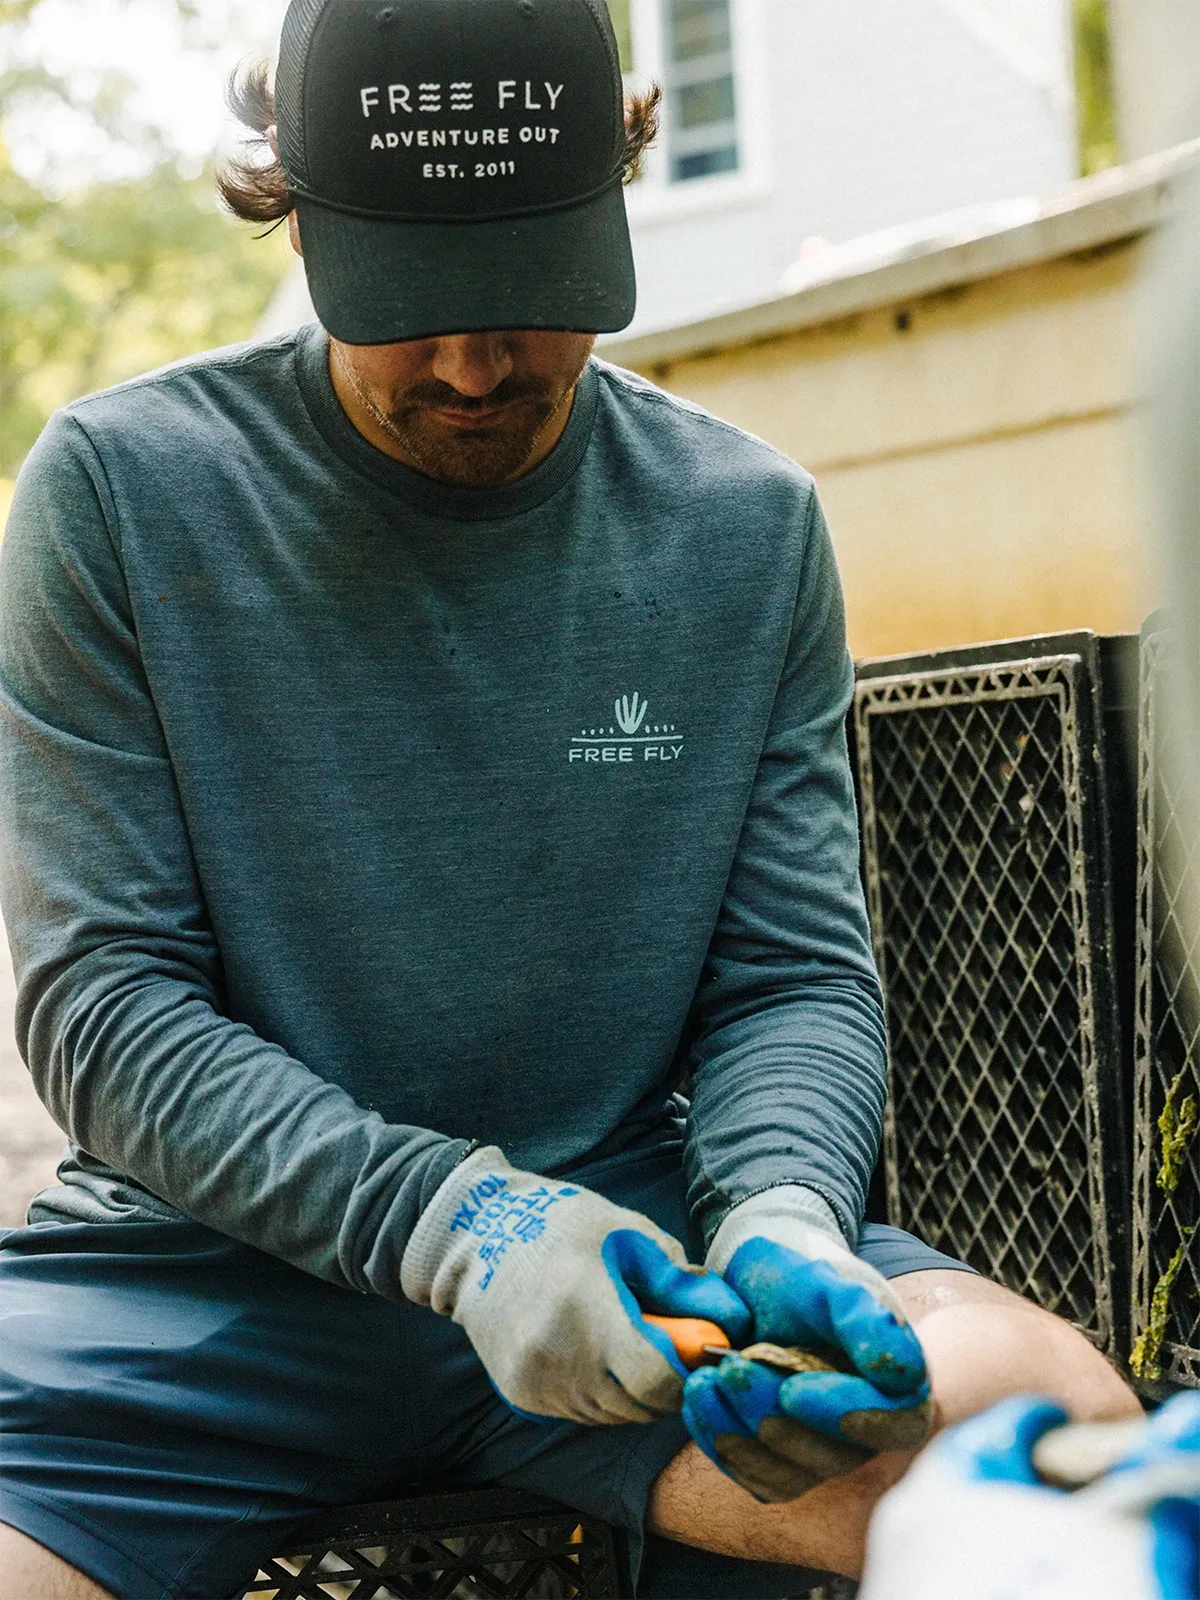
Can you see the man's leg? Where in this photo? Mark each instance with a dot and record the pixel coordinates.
(28, 1571)
(981, 1342)
(175, 1403)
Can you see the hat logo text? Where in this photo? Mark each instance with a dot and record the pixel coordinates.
(430, 97)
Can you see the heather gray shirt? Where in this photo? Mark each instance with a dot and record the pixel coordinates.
(348, 817)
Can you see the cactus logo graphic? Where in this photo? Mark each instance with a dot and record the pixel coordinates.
(633, 738)
(629, 712)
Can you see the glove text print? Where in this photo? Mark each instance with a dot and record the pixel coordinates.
(549, 1281)
(499, 1217)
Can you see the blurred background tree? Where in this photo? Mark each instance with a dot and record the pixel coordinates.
(1097, 120)
(112, 275)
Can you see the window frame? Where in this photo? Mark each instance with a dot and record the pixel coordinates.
(656, 195)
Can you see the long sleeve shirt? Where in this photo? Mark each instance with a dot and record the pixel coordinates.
(349, 817)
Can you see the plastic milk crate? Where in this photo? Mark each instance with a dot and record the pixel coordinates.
(983, 788)
(489, 1542)
(485, 1542)
(1166, 1123)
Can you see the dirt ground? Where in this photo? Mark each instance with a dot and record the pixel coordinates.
(30, 1144)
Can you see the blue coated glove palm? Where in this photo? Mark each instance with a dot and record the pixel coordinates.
(550, 1280)
(837, 1373)
(971, 1521)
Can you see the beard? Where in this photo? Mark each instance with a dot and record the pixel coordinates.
(483, 454)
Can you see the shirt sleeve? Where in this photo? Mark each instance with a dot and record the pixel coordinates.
(788, 1060)
(120, 1009)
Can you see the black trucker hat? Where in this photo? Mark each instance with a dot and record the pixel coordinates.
(456, 165)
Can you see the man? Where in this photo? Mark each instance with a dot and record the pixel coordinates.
(422, 753)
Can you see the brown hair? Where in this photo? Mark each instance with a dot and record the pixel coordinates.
(254, 185)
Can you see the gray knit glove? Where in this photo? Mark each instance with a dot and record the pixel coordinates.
(549, 1281)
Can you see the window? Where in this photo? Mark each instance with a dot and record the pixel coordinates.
(687, 45)
(698, 79)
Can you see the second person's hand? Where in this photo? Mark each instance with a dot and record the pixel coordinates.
(971, 1521)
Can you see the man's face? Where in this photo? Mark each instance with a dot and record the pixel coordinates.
(473, 409)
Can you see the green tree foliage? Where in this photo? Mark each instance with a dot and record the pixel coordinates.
(1094, 87)
(623, 28)
(112, 278)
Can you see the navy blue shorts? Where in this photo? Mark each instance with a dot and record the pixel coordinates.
(174, 1403)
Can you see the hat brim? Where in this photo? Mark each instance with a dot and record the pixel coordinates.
(382, 282)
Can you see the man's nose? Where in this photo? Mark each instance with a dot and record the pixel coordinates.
(472, 363)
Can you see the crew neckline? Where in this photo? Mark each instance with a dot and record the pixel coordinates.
(440, 499)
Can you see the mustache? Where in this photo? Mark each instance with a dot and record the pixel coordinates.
(435, 396)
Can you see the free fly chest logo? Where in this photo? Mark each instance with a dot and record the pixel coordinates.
(633, 736)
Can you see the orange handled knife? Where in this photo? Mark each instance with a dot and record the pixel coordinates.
(700, 1344)
(697, 1342)
(1067, 1457)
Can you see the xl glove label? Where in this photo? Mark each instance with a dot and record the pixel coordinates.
(558, 1325)
(499, 1217)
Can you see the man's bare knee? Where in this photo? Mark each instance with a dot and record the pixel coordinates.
(981, 1342)
(28, 1571)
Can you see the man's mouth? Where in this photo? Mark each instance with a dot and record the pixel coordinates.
(476, 417)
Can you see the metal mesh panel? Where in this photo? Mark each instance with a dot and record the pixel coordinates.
(980, 860)
(1166, 1240)
(487, 1543)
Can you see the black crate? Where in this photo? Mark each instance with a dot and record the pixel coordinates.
(467, 1546)
(987, 861)
(485, 1542)
(1166, 1138)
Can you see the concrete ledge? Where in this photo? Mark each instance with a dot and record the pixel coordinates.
(1121, 203)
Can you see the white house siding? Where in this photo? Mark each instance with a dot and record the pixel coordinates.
(1156, 61)
(875, 114)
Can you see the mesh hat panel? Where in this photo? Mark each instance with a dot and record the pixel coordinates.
(299, 26)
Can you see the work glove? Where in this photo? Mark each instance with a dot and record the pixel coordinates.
(970, 1521)
(850, 1377)
(550, 1281)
